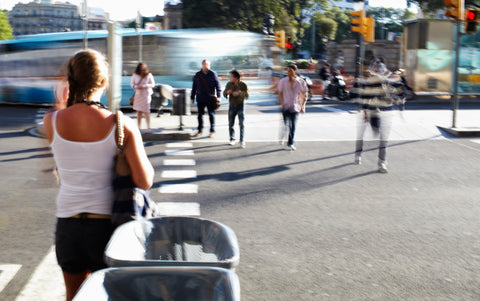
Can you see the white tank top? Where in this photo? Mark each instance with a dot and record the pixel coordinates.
(85, 170)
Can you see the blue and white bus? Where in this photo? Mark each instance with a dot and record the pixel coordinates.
(30, 66)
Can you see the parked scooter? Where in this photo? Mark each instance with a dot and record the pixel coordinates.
(309, 83)
(337, 87)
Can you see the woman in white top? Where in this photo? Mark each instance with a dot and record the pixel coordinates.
(143, 83)
(82, 138)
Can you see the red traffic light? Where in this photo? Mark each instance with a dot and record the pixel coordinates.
(288, 45)
(471, 15)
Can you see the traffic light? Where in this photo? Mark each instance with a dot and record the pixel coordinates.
(358, 21)
(471, 20)
(456, 10)
(370, 30)
(363, 25)
(280, 38)
(288, 43)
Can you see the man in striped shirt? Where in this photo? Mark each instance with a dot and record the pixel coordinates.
(377, 94)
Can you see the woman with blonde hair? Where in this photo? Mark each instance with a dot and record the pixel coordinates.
(143, 83)
(82, 138)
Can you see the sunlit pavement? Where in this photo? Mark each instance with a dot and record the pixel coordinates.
(311, 225)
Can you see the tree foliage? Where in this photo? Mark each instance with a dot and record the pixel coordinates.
(6, 32)
(290, 15)
(389, 20)
(342, 17)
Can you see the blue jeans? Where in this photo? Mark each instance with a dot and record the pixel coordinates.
(211, 114)
(233, 111)
(290, 120)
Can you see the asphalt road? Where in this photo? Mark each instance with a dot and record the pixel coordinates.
(310, 224)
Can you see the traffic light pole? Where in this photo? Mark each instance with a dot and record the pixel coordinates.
(359, 60)
(455, 101)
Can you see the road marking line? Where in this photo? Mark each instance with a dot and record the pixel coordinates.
(46, 283)
(179, 174)
(180, 145)
(476, 141)
(179, 162)
(7, 272)
(178, 188)
(187, 152)
(179, 209)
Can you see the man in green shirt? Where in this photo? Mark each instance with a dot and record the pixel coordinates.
(238, 92)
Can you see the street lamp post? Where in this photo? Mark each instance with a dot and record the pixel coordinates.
(85, 24)
(138, 25)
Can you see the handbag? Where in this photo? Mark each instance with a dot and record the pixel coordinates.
(215, 101)
(129, 202)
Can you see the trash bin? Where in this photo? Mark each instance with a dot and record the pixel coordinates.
(158, 99)
(181, 102)
(173, 241)
(161, 283)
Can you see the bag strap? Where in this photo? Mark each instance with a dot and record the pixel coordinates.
(205, 83)
(141, 79)
(120, 133)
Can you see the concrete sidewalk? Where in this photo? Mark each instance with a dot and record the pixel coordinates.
(320, 123)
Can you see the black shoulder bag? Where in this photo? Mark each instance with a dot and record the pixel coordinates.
(129, 202)
(215, 101)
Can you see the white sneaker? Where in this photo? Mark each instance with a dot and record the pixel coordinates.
(242, 144)
(382, 167)
(292, 147)
(232, 142)
(358, 160)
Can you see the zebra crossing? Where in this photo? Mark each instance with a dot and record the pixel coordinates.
(177, 167)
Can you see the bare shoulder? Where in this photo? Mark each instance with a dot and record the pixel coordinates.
(48, 124)
(131, 128)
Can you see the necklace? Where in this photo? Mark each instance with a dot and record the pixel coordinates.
(90, 102)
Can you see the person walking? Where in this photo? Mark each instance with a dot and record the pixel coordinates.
(291, 94)
(237, 90)
(325, 74)
(206, 90)
(377, 95)
(143, 83)
(82, 137)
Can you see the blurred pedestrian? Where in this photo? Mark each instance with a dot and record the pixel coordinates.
(325, 74)
(291, 94)
(238, 92)
(82, 138)
(377, 94)
(206, 90)
(143, 83)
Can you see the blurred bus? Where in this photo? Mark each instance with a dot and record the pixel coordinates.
(30, 66)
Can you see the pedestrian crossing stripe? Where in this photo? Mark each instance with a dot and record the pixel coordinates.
(178, 209)
(179, 145)
(46, 282)
(7, 272)
(179, 188)
(179, 162)
(179, 174)
(187, 152)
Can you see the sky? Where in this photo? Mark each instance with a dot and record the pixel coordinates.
(122, 10)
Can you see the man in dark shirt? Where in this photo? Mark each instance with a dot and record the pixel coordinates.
(206, 90)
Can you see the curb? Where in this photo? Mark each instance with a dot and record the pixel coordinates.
(461, 132)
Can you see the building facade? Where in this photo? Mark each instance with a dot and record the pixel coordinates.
(173, 17)
(97, 19)
(44, 17)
